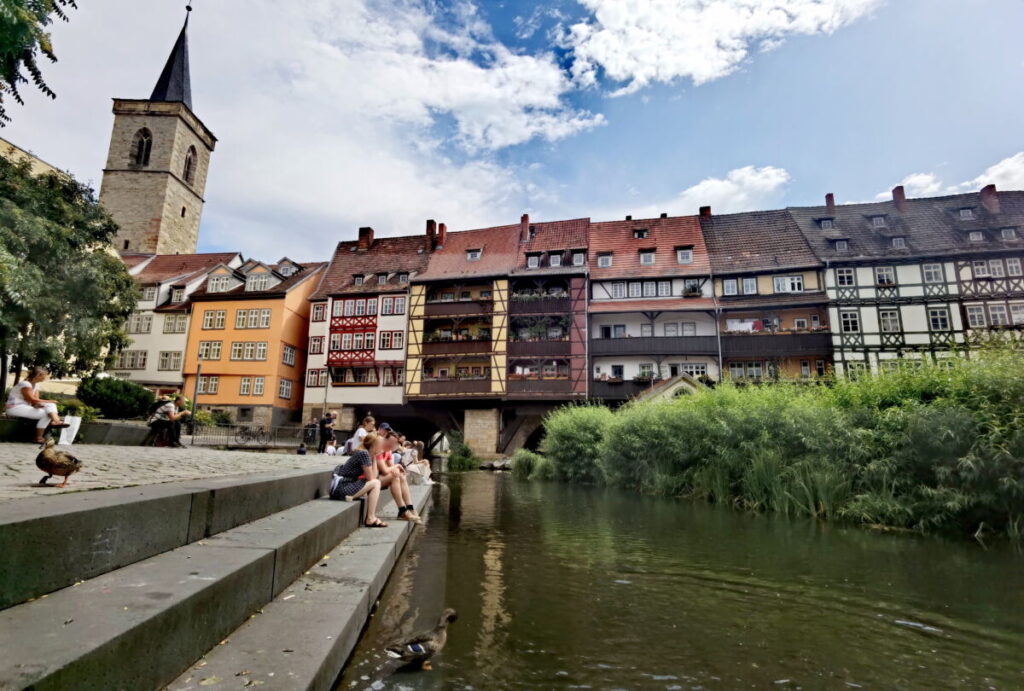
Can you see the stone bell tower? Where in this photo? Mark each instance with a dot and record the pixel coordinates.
(156, 168)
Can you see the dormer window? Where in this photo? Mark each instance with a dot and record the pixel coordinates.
(841, 245)
(532, 261)
(532, 232)
(286, 270)
(403, 278)
(684, 255)
(578, 258)
(149, 293)
(218, 284)
(474, 255)
(604, 260)
(357, 280)
(899, 243)
(555, 260)
(827, 223)
(257, 282)
(640, 233)
(382, 279)
(1008, 233)
(976, 236)
(178, 295)
(878, 221)
(647, 257)
(967, 214)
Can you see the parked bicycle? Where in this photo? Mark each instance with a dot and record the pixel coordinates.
(252, 435)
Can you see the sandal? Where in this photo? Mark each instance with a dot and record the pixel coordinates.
(377, 523)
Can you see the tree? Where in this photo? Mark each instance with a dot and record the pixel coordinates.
(23, 37)
(64, 294)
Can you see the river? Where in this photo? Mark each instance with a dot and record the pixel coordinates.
(586, 588)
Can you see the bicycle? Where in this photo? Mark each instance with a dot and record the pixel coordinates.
(255, 435)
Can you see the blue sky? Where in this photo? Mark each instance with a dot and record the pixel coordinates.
(334, 114)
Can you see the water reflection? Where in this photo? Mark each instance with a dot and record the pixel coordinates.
(561, 587)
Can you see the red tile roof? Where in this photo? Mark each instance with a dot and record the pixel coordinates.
(499, 247)
(651, 305)
(554, 236)
(133, 260)
(306, 271)
(663, 235)
(385, 255)
(167, 266)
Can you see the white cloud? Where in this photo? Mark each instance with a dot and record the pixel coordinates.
(637, 42)
(742, 189)
(334, 115)
(1007, 174)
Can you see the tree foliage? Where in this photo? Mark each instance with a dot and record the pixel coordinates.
(64, 295)
(23, 38)
(116, 398)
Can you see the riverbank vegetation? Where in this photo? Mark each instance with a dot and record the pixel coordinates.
(934, 448)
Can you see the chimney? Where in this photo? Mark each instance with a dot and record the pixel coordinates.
(524, 228)
(990, 198)
(629, 218)
(664, 215)
(830, 202)
(705, 211)
(900, 197)
(365, 238)
(431, 232)
(442, 233)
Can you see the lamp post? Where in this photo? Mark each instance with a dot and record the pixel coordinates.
(195, 395)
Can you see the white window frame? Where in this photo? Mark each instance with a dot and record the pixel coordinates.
(258, 385)
(847, 319)
(284, 389)
(789, 284)
(939, 315)
(1017, 313)
(169, 361)
(320, 312)
(730, 286)
(750, 286)
(335, 342)
(1013, 266)
(288, 355)
(846, 273)
(932, 273)
(799, 323)
(684, 255)
(555, 260)
(976, 236)
(579, 258)
(618, 290)
(967, 214)
(878, 221)
(532, 261)
(979, 269)
(149, 294)
(647, 258)
(605, 260)
(888, 273)
(1004, 315)
(996, 268)
(899, 243)
(177, 295)
(977, 318)
(399, 305)
(1008, 233)
(842, 245)
(245, 386)
(474, 255)
(827, 223)
(885, 321)
(664, 289)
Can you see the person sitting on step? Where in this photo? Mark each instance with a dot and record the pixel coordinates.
(357, 477)
(165, 423)
(393, 476)
(23, 401)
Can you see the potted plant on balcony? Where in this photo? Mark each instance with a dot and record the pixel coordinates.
(692, 293)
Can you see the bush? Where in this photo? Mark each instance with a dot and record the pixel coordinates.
(523, 463)
(928, 447)
(572, 442)
(221, 417)
(543, 469)
(116, 398)
(460, 456)
(204, 418)
(73, 406)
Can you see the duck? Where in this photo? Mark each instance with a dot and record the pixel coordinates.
(55, 462)
(420, 648)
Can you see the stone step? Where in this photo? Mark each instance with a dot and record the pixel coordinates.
(303, 638)
(51, 542)
(140, 626)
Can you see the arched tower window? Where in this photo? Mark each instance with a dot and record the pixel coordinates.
(190, 165)
(142, 146)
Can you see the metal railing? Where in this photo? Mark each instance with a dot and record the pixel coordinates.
(252, 435)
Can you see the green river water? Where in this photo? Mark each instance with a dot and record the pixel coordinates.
(568, 587)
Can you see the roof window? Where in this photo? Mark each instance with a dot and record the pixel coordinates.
(532, 261)
(827, 223)
(647, 257)
(976, 236)
(967, 214)
(1008, 233)
(357, 279)
(841, 245)
(604, 260)
(899, 243)
(878, 221)
(382, 279)
(640, 233)
(474, 255)
(684, 255)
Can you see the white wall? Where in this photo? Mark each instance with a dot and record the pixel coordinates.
(704, 323)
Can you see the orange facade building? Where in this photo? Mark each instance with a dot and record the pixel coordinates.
(246, 353)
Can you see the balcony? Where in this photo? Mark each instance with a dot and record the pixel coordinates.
(562, 387)
(776, 345)
(457, 348)
(539, 348)
(617, 390)
(455, 387)
(655, 345)
(458, 309)
(540, 306)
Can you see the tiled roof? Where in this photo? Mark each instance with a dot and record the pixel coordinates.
(499, 251)
(651, 305)
(774, 300)
(133, 260)
(307, 271)
(931, 227)
(554, 237)
(663, 235)
(755, 241)
(164, 267)
(385, 255)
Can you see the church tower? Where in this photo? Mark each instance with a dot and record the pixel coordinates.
(156, 168)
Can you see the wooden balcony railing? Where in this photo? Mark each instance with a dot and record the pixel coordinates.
(776, 345)
(617, 391)
(458, 309)
(539, 348)
(655, 345)
(455, 387)
(457, 347)
(540, 386)
(540, 306)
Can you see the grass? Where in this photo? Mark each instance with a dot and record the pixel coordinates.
(930, 448)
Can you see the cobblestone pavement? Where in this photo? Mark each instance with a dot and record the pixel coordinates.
(105, 467)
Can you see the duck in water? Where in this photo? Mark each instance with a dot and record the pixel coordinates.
(418, 650)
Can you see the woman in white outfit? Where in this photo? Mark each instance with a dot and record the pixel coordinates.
(23, 401)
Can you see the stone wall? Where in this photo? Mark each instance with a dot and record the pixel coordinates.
(481, 432)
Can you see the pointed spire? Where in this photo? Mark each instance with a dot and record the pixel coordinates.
(174, 83)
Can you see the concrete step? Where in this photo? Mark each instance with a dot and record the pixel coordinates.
(140, 626)
(303, 638)
(49, 543)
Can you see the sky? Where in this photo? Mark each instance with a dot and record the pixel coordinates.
(336, 114)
